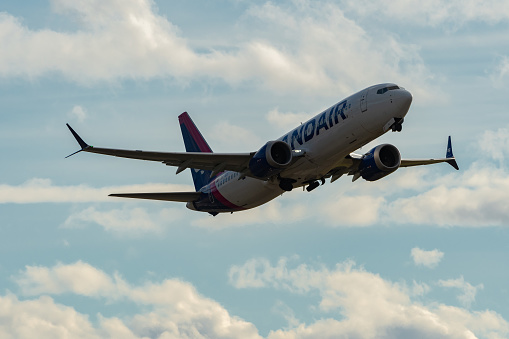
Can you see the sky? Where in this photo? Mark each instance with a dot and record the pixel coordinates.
(420, 253)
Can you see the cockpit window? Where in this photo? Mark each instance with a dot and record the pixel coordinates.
(385, 89)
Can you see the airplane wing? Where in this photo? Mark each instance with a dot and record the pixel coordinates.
(215, 162)
(449, 158)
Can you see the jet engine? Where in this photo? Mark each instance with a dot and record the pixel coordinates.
(271, 159)
(379, 162)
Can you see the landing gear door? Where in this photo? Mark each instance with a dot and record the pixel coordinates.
(364, 101)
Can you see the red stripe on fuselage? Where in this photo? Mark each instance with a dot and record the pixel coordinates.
(195, 134)
(217, 195)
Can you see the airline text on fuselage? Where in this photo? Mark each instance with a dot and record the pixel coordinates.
(325, 120)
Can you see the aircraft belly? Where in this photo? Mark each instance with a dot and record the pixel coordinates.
(248, 193)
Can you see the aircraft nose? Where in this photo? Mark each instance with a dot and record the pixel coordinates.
(407, 96)
(405, 99)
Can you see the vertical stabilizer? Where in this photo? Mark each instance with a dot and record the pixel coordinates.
(195, 142)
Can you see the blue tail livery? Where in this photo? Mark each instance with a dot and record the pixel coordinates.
(450, 156)
(195, 142)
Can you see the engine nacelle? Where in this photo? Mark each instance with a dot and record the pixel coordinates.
(379, 162)
(271, 159)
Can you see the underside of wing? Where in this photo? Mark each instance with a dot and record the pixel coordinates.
(166, 196)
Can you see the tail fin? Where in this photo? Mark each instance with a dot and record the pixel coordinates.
(195, 142)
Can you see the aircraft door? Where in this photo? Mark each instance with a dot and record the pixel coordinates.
(364, 101)
(368, 121)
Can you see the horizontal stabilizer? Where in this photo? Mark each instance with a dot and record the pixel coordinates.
(419, 162)
(449, 158)
(166, 196)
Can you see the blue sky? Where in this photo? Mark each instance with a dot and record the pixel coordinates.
(420, 253)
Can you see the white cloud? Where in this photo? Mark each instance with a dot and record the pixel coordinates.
(451, 13)
(369, 306)
(271, 213)
(477, 197)
(78, 113)
(79, 278)
(295, 47)
(501, 73)
(171, 309)
(125, 221)
(358, 210)
(420, 288)
(38, 190)
(286, 121)
(43, 318)
(332, 47)
(495, 144)
(469, 291)
(280, 308)
(115, 42)
(429, 259)
(241, 139)
(259, 272)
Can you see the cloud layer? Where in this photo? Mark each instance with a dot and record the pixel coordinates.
(451, 14)
(125, 221)
(354, 303)
(176, 309)
(320, 50)
(39, 190)
(369, 306)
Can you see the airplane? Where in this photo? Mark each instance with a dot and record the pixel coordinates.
(318, 149)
